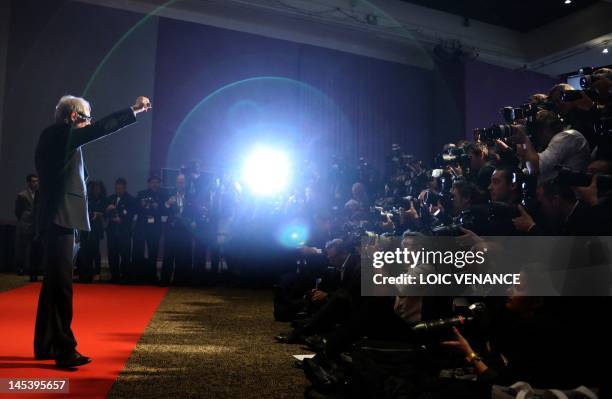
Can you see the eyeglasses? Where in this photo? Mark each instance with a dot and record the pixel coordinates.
(86, 118)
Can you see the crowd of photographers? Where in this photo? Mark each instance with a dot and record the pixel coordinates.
(546, 171)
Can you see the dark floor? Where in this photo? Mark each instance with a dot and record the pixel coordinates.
(212, 343)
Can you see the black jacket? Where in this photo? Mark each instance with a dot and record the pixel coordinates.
(55, 148)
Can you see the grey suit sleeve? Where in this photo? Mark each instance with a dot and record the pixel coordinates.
(101, 128)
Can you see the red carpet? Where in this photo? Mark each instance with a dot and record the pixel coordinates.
(108, 321)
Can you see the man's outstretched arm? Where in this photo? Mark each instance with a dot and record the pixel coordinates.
(107, 125)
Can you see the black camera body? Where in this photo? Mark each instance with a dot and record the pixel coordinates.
(465, 220)
(524, 115)
(453, 156)
(492, 133)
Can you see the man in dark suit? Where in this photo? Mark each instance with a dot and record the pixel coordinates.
(178, 235)
(119, 214)
(60, 210)
(148, 229)
(24, 234)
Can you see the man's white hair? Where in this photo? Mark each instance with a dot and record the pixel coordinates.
(69, 104)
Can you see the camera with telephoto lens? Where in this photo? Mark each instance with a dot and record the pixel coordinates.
(453, 156)
(572, 178)
(573, 95)
(524, 115)
(465, 220)
(492, 133)
(527, 111)
(475, 313)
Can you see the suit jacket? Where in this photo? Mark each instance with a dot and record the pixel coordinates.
(62, 198)
(24, 210)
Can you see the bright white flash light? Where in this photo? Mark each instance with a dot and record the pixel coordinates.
(266, 171)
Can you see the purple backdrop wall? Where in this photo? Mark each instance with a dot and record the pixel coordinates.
(488, 88)
(218, 91)
(320, 101)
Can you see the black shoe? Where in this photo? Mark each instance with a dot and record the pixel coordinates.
(44, 356)
(292, 337)
(33, 279)
(75, 359)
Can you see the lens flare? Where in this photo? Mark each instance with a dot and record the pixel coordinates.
(293, 235)
(266, 171)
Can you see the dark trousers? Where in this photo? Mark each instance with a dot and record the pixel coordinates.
(53, 335)
(23, 246)
(177, 255)
(119, 244)
(146, 268)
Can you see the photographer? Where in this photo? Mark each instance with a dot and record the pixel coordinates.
(179, 209)
(563, 213)
(335, 299)
(481, 168)
(580, 113)
(119, 215)
(557, 146)
(464, 195)
(505, 185)
(148, 229)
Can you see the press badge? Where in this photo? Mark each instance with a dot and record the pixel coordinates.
(150, 220)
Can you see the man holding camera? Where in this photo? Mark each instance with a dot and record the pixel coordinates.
(119, 214)
(60, 210)
(148, 230)
(559, 146)
(177, 235)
